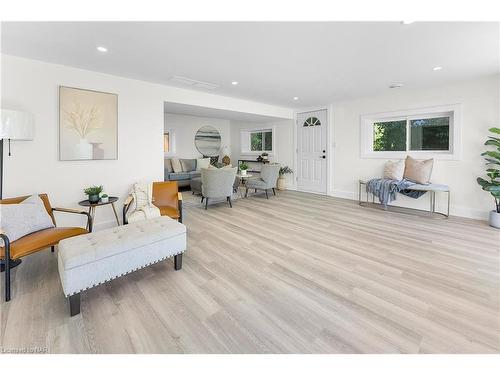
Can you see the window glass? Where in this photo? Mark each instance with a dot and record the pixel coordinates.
(268, 141)
(430, 134)
(256, 141)
(166, 142)
(389, 135)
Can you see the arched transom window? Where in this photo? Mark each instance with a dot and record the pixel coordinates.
(312, 121)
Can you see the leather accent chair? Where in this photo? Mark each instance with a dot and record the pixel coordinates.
(268, 179)
(166, 197)
(13, 251)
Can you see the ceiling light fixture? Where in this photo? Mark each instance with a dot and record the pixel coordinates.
(436, 68)
(234, 83)
(396, 85)
(102, 49)
(407, 22)
(295, 98)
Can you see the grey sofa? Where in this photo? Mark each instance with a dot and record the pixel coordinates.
(217, 183)
(269, 174)
(183, 178)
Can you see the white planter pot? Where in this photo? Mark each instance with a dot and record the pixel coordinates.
(105, 200)
(494, 219)
(281, 183)
(243, 172)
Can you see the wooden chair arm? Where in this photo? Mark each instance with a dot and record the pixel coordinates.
(69, 210)
(179, 196)
(126, 206)
(128, 200)
(73, 211)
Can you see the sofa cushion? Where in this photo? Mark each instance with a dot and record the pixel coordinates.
(195, 174)
(176, 165)
(168, 165)
(188, 165)
(179, 176)
(202, 163)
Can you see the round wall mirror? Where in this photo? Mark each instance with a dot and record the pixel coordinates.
(208, 141)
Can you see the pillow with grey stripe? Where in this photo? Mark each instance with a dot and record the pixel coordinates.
(18, 220)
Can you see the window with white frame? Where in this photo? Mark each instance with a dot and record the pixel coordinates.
(424, 132)
(257, 141)
(168, 142)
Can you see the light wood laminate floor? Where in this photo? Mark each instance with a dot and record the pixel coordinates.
(298, 273)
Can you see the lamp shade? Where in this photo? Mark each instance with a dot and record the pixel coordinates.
(17, 125)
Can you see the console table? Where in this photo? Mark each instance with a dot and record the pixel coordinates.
(252, 161)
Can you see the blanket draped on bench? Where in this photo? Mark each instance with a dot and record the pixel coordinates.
(386, 189)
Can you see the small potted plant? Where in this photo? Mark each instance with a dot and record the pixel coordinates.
(93, 193)
(492, 185)
(265, 156)
(104, 198)
(243, 168)
(281, 179)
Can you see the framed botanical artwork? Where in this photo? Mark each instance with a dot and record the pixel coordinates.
(88, 124)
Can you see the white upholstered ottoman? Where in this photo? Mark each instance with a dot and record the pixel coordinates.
(92, 259)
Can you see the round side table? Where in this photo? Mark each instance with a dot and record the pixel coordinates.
(92, 206)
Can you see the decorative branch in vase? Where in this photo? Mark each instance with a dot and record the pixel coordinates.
(83, 121)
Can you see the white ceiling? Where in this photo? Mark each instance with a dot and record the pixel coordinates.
(319, 62)
(194, 110)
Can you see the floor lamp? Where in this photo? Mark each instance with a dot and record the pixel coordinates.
(14, 126)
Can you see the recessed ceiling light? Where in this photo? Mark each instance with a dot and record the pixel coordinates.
(437, 68)
(396, 85)
(102, 49)
(234, 83)
(407, 22)
(295, 98)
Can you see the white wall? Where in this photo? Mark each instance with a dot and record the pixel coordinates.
(184, 129)
(284, 133)
(34, 166)
(480, 111)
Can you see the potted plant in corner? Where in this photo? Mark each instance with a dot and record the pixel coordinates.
(93, 193)
(243, 169)
(492, 185)
(281, 179)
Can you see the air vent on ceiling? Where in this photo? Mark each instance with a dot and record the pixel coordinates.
(194, 83)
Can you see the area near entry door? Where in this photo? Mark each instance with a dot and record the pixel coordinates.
(312, 151)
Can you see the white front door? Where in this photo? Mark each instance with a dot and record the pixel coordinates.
(311, 158)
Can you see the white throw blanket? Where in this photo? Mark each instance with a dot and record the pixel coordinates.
(142, 207)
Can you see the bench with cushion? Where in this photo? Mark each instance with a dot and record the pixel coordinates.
(431, 188)
(92, 259)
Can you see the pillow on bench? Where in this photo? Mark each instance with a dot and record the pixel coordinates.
(394, 170)
(418, 171)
